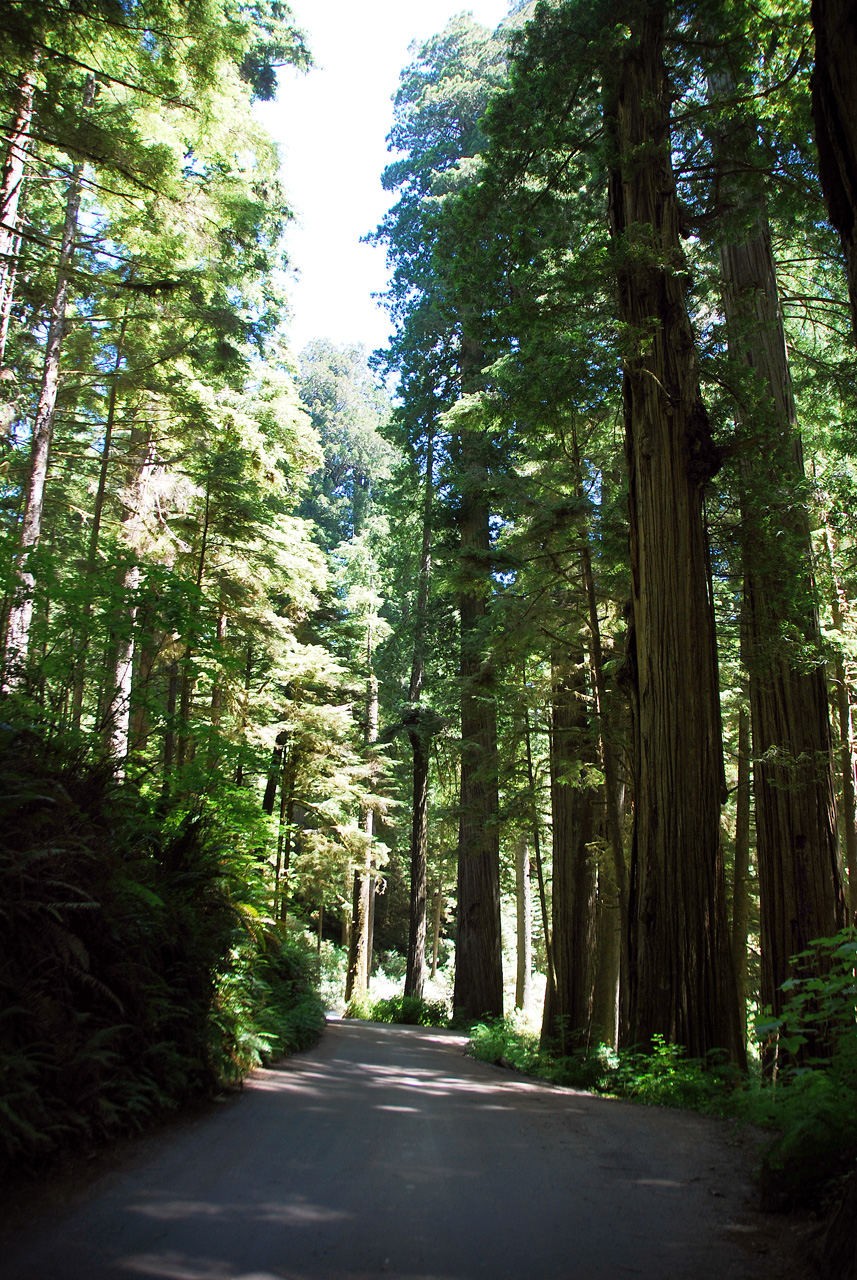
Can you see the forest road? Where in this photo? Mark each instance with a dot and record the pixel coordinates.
(386, 1152)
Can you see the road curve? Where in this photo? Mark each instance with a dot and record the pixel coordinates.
(386, 1152)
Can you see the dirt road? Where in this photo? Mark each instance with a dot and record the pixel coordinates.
(386, 1152)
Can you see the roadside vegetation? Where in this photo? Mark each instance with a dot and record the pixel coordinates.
(801, 1086)
(138, 967)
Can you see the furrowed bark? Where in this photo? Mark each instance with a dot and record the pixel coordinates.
(681, 977)
(797, 843)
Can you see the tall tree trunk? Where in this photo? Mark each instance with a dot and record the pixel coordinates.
(437, 917)
(360, 952)
(185, 745)
(834, 112)
(170, 723)
(21, 612)
(741, 874)
(11, 186)
(117, 717)
(682, 982)
(537, 846)
(609, 945)
(420, 739)
(217, 697)
(568, 1006)
(478, 951)
(248, 676)
(608, 758)
(282, 870)
(797, 844)
(146, 655)
(95, 530)
(524, 932)
(842, 687)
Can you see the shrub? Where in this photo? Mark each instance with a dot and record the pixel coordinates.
(410, 1010)
(135, 972)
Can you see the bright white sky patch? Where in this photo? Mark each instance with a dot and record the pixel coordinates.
(332, 126)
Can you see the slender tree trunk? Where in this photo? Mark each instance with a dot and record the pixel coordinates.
(360, 954)
(437, 917)
(117, 714)
(524, 933)
(537, 848)
(478, 951)
(608, 759)
(170, 725)
(217, 696)
(185, 746)
(415, 973)
(568, 1006)
(146, 656)
(609, 945)
(117, 718)
(420, 739)
(282, 871)
(248, 675)
(741, 876)
(95, 531)
(370, 932)
(21, 613)
(11, 186)
(834, 112)
(682, 982)
(842, 687)
(797, 844)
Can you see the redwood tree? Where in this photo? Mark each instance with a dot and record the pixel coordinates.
(682, 980)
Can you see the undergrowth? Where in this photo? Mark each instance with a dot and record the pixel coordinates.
(411, 1010)
(136, 968)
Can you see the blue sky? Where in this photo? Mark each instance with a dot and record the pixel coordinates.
(332, 125)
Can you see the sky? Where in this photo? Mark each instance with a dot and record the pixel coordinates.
(332, 124)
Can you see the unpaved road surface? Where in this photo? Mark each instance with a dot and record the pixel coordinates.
(386, 1152)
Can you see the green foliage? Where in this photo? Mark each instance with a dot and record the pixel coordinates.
(812, 1101)
(410, 1010)
(135, 969)
(663, 1077)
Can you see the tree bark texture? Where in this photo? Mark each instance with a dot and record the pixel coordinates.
(568, 1003)
(797, 845)
(834, 112)
(681, 977)
(478, 954)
